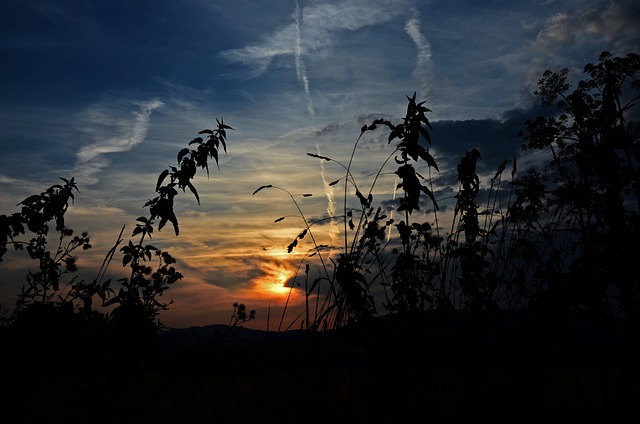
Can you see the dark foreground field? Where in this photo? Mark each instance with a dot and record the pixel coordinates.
(436, 367)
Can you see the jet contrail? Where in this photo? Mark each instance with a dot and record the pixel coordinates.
(331, 203)
(301, 72)
(423, 69)
(395, 188)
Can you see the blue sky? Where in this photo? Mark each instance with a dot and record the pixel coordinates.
(110, 91)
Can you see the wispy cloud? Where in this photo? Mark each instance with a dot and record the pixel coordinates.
(424, 67)
(130, 131)
(7, 180)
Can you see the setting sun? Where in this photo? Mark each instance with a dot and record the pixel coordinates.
(274, 280)
(279, 284)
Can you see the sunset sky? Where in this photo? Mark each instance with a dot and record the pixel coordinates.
(109, 91)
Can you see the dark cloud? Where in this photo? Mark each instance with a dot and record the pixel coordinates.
(496, 139)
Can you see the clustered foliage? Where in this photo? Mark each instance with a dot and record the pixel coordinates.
(557, 238)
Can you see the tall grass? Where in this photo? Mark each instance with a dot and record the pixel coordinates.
(544, 239)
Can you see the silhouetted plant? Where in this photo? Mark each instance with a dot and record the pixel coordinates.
(472, 251)
(138, 298)
(593, 201)
(137, 301)
(553, 237)
(240, 315)
(348, 297)
(37, 214)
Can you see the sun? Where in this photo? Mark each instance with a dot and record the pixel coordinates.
(277, 286)
(273, 281)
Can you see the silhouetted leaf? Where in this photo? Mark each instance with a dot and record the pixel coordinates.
(182, 153)
(196, 140)
(307, 195)
(314, 284)
(262, 187)
(207, 131)
(363, 200)
(193, 190)
(293, 244)
(426, 156)
(313, 155)
(224, 144)
(279, 219)
(332, 183)
(302, 234)
(222, 125)
(431, 196)
(425, 134)
(214, 154)
(396, 132)
(29, 200)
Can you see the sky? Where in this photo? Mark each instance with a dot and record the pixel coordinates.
(109, 91)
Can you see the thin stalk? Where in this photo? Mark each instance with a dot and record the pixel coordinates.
(353, 152)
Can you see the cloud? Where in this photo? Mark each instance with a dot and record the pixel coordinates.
(131, 131)
(613, 21)
(4, 179)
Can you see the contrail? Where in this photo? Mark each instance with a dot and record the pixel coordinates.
(301, 72)
(424, 65)
(331, 203)
(395, 188)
